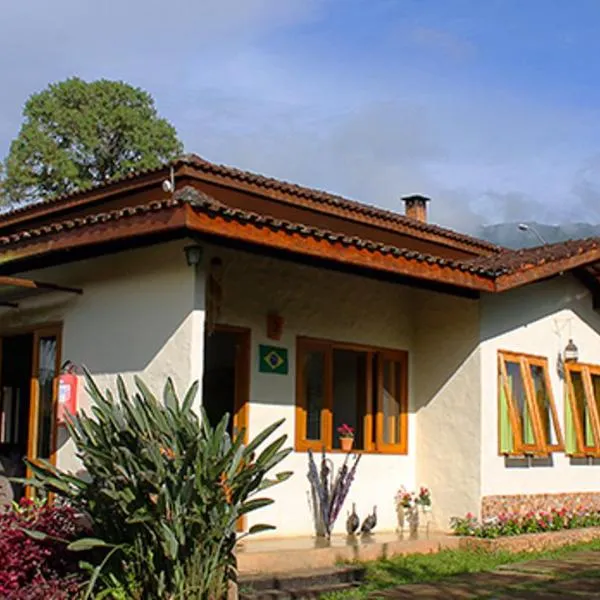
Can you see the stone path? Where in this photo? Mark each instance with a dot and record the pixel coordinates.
(575, 576)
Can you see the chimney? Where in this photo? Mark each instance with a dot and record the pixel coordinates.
(415, 207)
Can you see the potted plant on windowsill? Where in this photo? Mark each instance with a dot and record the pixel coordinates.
(346, 434)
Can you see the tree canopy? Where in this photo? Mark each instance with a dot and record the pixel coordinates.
(77, 133)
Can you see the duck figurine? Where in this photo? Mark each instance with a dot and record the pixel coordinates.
(370, 522)
(352, 522)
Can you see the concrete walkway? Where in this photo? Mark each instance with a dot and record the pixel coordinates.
(273, 556)
(574, 576)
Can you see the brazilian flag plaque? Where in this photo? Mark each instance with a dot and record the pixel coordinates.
(273, 360)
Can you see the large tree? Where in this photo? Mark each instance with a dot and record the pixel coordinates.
(77, 133)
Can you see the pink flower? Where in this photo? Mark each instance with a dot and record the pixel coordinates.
(345, 431)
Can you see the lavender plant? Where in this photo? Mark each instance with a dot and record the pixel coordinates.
(329, 492)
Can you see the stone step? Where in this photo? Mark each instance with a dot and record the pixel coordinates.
(295, 584)
(307, 593)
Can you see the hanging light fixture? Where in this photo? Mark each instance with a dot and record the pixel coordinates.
(571, 353)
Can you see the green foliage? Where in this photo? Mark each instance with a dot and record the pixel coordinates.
(164, 491)
(76, 134)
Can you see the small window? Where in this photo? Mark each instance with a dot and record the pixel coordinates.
(528, 421)
(362, 387)
(582, 410)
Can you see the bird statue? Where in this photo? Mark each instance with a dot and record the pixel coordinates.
(352, 522)
(370, 522)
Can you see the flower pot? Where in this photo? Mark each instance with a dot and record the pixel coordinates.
(346, 443)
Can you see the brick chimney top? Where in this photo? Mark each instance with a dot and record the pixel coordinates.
(415, 207)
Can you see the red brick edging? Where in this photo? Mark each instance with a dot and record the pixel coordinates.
(530, 542)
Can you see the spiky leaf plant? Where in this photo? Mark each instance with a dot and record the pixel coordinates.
(163, 490)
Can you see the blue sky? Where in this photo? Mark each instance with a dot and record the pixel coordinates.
(491, 107)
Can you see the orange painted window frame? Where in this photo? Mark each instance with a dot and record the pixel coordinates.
(373, 419)
(592, 404)
(541, 446)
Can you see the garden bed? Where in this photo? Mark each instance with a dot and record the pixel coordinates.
(531, 542)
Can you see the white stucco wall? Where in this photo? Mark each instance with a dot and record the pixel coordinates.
(141, 313)
(537, 319)
(333, 306)
(447, 393)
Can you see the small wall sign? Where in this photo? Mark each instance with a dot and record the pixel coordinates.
(273, 360)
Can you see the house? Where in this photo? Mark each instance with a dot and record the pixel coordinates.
(445, 352)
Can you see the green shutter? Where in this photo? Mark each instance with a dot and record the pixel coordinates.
(570, 435)
(506, 434)
(589, 432)
(529, 437)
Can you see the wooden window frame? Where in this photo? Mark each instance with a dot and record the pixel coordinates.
(541, 447)
(586, 371)
(33, 430)
(372, 423)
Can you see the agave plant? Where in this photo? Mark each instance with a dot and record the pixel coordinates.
(163, 490)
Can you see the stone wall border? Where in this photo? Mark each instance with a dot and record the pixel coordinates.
(532, 542)
(492, 506)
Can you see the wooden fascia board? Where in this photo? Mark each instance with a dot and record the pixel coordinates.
(535, 273)
(267, 236)
(32, 284)
(163, 220)
(345, 213)
(46, 209)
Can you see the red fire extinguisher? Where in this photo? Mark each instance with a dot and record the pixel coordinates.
(67, 393)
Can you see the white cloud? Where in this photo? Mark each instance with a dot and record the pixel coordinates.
(371, 131)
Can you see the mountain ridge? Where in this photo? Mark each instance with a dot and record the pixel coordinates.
(510, 236)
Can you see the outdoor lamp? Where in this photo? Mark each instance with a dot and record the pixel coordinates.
(193, 254)
(571, 352)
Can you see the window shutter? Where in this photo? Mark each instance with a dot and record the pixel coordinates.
(528, 426)
(570, 431)
(506, 434)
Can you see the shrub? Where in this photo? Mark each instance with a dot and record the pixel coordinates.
(506, 524)
(163, 490)
(32, 567)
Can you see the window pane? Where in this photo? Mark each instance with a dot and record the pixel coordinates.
(391, 396)
(515, 383)
(314, 392)
(349, 393)
(581, 408)
(46, 374)
(543, 403)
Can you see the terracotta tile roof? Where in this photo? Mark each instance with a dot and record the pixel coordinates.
(205, 203)
(511, 261)
(80, 222)
(506, 270)
(311, 196)
(31, 206)
(320, 197)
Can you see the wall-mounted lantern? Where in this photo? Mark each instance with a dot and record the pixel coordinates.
(571, 352)
(193, 254)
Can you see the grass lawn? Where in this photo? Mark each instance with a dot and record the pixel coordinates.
(421, 568)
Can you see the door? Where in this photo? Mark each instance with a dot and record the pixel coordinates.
(225, 385)
(29, 368)
(15, 393)
(44, 388)
(226, 381)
